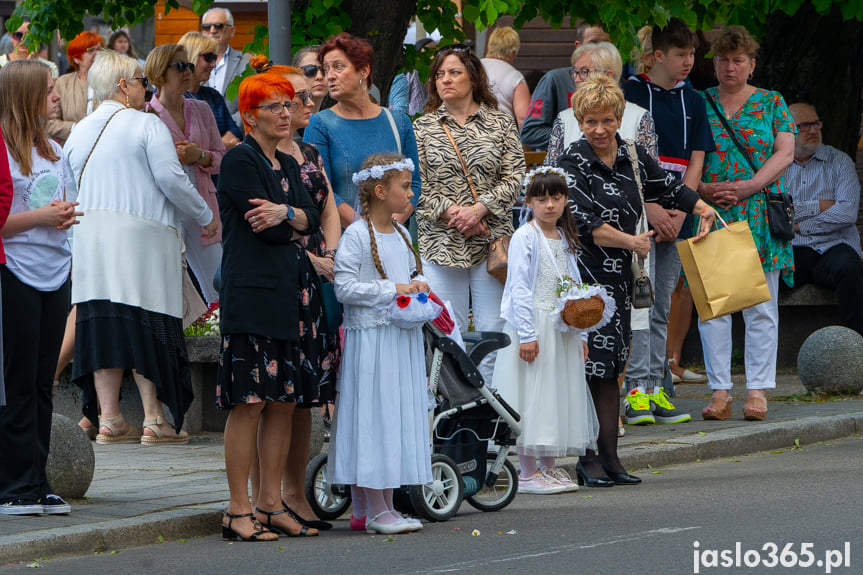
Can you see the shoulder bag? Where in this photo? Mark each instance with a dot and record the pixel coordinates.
(498, 246)
(780, 207)
(642, 289)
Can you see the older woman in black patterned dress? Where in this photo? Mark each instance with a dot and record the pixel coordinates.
(604, 198)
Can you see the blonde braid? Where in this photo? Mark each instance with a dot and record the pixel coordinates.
(410, 245)
(364, 202)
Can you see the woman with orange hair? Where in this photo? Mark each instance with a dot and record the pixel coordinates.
(270, 308)
(75, 99)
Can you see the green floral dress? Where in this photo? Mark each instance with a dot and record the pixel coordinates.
(756, 124)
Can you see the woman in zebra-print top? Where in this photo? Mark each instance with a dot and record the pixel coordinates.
(452, 241)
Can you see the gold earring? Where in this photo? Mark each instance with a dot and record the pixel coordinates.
(128, 104)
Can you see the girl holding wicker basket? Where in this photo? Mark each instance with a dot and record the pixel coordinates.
(548, 312)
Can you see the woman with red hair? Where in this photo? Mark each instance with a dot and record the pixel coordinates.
(75, 99)
(355, 127)
(269, 308)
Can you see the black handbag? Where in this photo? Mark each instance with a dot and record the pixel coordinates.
(780, 207)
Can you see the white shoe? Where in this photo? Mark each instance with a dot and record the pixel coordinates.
(562, 477)
(415, 523)
(540, 484)
(374, 526)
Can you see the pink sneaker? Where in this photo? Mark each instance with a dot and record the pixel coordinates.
(561, 476)
(540, 484)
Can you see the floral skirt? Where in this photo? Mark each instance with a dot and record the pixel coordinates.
(255, 368)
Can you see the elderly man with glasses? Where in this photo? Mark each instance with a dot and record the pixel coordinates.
(826, 191)
(218, 23)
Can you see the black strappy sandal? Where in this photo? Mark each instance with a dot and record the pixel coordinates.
(318, 524)
(229, 534)
(304, 531)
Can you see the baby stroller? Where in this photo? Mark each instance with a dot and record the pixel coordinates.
(467, 416)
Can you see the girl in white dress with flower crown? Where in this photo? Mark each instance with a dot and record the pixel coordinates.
(542, 373)
(380, 437)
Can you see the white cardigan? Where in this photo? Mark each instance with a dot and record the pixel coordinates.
(628, 130)
(127, 247)
(358, 284)
(516, 306)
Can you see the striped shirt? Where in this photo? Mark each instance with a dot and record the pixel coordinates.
(828, 175)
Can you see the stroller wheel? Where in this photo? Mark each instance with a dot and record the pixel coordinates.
(327, 501)
(439, 499)
(498, 495)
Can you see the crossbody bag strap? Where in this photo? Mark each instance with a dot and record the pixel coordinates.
(641, 225)
(464, 167)
(395, 130)
(548, 251)
(99, 137)
(731, 134)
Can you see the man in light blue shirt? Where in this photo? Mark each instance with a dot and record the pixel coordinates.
(826, 191)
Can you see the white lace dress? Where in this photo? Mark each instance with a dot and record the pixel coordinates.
(380, 434)
(551, 394)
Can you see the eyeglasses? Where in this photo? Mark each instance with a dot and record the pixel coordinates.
(143, 79)
(209, 57)
(181, 66)
(217, 27)
(276, 107)
(17, 36)
(806, 126)
(311, 70)
(92, 49)
(337, 68)
(583, 73)
(304, 96)
(456, 48)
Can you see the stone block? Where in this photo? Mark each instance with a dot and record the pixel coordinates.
(831, 361)
(71, 460)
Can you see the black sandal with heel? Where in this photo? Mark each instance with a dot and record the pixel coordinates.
(229, 534)
(312, 524)
(304, 531)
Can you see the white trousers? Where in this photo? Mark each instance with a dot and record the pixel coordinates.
(467, 288)
(762, 341)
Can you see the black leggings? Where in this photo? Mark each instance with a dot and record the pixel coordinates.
(606, 399)
(33, 326)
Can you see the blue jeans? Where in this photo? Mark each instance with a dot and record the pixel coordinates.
(646, 366)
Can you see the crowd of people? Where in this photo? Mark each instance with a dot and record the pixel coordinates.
(288, 201)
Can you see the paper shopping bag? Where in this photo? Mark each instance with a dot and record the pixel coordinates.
(724, 271)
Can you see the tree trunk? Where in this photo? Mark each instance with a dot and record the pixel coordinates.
(818, 60)
(384, 24)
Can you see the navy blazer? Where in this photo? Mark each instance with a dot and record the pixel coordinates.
(260, 271)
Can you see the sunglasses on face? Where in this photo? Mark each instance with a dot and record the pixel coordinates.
(143, 79)
(17, 36)
(209, 57)
(216, 27)
(276, 107)
(182, 66)
(311, 70)
(304, 96)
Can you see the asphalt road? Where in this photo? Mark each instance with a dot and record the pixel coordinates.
(683, 519)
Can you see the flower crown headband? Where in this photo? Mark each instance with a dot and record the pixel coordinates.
(570, 181)
(377, 172)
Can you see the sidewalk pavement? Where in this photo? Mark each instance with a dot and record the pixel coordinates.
(140, 494)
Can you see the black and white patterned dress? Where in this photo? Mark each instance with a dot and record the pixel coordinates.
(601, 195)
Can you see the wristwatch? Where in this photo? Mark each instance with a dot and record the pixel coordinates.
(203, 156)
(289, 214)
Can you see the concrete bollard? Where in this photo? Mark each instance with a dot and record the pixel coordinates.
(71, 461)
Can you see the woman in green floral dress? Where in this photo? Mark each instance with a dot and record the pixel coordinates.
(763, 127)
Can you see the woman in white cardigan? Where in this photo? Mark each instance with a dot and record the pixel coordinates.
(128, 283)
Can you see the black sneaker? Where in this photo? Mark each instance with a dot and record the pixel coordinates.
(54, 505)
(21, 507)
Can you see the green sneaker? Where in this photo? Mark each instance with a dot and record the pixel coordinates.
(664, 411)
(637, 410)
